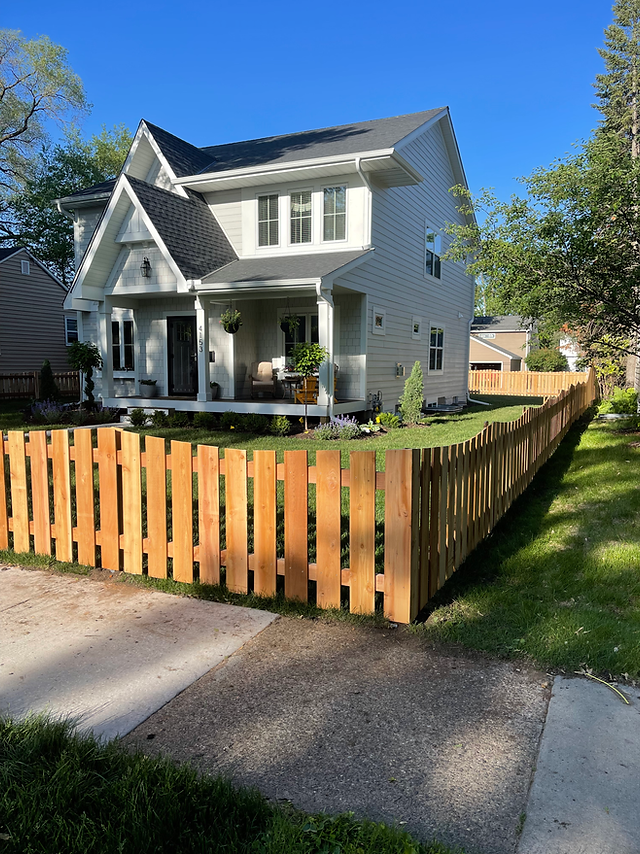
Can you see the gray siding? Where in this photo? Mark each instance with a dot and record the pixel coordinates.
(31, 318)
(394, 280)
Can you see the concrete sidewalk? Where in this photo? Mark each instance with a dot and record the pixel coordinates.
(585, 798)
(107, 652)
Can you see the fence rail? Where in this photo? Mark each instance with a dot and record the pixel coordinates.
(27, 384)
(112, 503)
(524, 383)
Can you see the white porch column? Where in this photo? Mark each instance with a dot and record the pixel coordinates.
(202, 350)
(106, 349)
(325, 338)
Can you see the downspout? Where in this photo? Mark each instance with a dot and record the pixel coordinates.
(369, 217)
(64, 212)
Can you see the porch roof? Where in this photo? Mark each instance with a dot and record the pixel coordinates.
(304, 268)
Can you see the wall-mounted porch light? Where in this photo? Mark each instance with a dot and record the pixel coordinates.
(145, 268)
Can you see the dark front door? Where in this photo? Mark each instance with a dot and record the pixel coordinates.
(183, 360)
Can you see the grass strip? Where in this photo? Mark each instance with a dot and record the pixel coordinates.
(558, 581)
(66, 792)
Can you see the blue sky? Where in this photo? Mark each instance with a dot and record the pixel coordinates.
(516, 76)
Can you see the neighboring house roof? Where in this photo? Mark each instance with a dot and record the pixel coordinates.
(187, 227)
(102, 190)
(323, 142)
(495, 347)
(314, 266)
(499, 323)
(9, 251)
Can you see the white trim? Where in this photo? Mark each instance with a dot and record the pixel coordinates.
(67, 318)
(289, 242)
(334, 186)
(436, 324)
(496, 348)
(165, 346)
(258, 196)
(143, 130)
(416, 321)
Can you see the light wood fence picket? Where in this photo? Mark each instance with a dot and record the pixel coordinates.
(524, 383)
(144, 508)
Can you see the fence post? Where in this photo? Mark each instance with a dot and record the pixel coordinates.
(4, 521)
(110, 481)
(401, 535)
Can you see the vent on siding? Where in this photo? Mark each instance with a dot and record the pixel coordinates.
(25, 268)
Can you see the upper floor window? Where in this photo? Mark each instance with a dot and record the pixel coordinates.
(71, 329)
(301, 217)
(268, 221)
(122, 344)
(335, 213)
(433, 250)
(25, 268)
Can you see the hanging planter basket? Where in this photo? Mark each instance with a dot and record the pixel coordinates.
(231, 320)
(231, 328)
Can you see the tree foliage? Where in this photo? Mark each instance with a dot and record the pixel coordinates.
(547, 359)
(37, 86)
(85, 356)
(59, 171)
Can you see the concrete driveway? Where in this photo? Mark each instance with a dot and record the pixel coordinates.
(105, 652)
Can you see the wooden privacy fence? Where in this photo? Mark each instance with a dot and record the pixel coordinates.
(144, 508)
(524, 383)
(28, 384)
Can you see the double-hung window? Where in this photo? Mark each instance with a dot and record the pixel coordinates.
(436, 349)
(268, 234)
(335, 213)
(122, 344)
(70, 329)
(433, 250)
(307, 330)
(301, 217)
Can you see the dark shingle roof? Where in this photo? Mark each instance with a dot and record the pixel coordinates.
(312, 266)
(184, 158)
(187, 227)
(499, 323)
(103, 189)
(6, 251)
(324, 142)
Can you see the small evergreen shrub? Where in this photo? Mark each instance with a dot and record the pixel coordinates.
(179, 420)
(412, 396)
(622, 401)
(547, 359)
(388, 420)
(280, 425)
(48, 386)
(159, 419)
(254, 422)
(205, 421)
(138, 417)
(231, 421)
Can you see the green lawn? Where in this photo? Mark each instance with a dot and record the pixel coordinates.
(63, 793)
(558, 581)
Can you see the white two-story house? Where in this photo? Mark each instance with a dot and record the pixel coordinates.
(343, 227)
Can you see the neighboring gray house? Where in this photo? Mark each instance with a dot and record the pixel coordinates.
(343, 227)
(33, 324)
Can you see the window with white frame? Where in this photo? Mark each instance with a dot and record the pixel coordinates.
(307, 330)
(436, 349)
(416, 327)
(71, 329)
(122, 345)
(433, 250)
(25, 268)
(379, 321)
(334, 213)
(301, 217)
(268, 232)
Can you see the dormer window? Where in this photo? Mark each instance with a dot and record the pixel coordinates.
(268, 220)
(301, 217)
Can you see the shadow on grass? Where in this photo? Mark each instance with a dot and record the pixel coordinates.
(557, 579)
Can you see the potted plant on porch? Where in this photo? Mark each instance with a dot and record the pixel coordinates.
(307, 358)
(215, 390)
(148, 388)
(231, 320)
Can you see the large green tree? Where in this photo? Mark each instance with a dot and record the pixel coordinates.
(37, 87)
(59, 171)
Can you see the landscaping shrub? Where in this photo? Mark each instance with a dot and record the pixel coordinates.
(47, 412)
(547, 359)
(159, 419)
(205, 420)
(622, 401)
(231, 421)
(325, 431)
(254, 422)
(412, 396)
(388, 420)
(138, 417)
(48, 387)
(105, 415)
(340, 427)
(280, 425)
(178, 419)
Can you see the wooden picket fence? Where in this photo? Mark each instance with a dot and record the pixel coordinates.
(524, 383)
(27, 384)
(142, 508)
